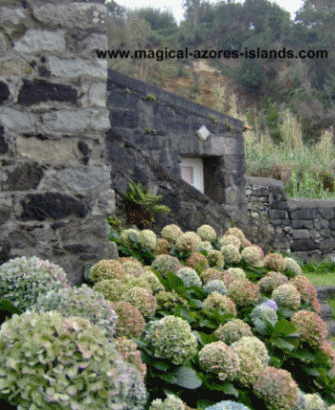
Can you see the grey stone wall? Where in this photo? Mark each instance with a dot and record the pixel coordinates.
(303, 226)
(54, 174)
(164, 125)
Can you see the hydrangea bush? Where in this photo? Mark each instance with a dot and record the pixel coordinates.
(217, 326)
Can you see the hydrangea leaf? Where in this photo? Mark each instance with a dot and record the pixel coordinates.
(187, 377)
(176, 284)
(311, 371)
(282, 344)
(182, 312)
(160, 365)
(284, 327)
(261, 327)
(303, 355)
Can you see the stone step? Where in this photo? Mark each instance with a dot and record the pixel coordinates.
(327, 312)
(325, 292)
(331, 327)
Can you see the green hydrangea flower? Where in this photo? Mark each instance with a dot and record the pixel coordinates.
(23, 280)
(293, 266)
(206, 233)
(237, 232)
(313, 330)
(271, 281)
(171, 402)
(165, 264)
(188, 242)
(189, 277)
(315, 402)
(253, 255)
(215, 286)
(243, 292)
(168, 301)
(125, 239)
(106, 269)
(220, 359)
(197, 261)
(237, 273)
(210, 274)
(230, 240)
(153, 281)
(142, 299)
(133, 268)
(171, 233)
(205, 246)
(287, 295)
(277, 389)
(83, 302)
(220, 302)
(130, 321)
(232, 331)
(147, 239)
(215, 258)
(250, 365)
(112, 289)
(275, 261)
(129, 352)
(171, 338)
(263, 312)
(253, 344)
(230, 253)
(49, 361)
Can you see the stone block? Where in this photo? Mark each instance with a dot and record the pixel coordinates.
(15, 67)
(327, 245)
(4, 92)
(100, 120)
(278, 214)
(23, 177)
(49, 151)
(127, 119)
(75, 67)
(12, 15)
(321, 223)
(67, 121)
(82, 15)
(3, 142)
(326, 213)
(298, 224)
(51, 205)
(303, 245)
(98, 95)
(301, 234)
(38, 40)
(15, 120)
(305, 213)
(36, 91)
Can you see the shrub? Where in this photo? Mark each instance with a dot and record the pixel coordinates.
(206, 233)
(250, 365)
(220, 302)
(243, 292)
(287, 296)
(133, 268)
(153, 281)
(83, 302)
(312, 329)
(147, 239)
(130, 321)
(277, 389)
(171, 233)
(189, 277)
(230, 253)
(275, 261)
(24, 279)
(171, 338)
(165, 264)
(232, 331)
(205, 246)
(142, 299)
(220, 359)
(106, 269)
(48, 360)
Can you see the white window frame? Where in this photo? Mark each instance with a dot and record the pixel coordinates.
(196, 164)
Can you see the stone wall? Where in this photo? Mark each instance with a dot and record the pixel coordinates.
(303, 226)
(165, 126)
(54, 174)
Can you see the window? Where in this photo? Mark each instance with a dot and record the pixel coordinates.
(192, 171)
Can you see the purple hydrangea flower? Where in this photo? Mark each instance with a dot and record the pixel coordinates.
(272, 304)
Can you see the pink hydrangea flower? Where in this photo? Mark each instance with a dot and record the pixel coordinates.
(313, 330)
(305, 288)
(275, 261)
(243, 292)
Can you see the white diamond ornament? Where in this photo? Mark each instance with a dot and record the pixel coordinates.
(203, 133)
